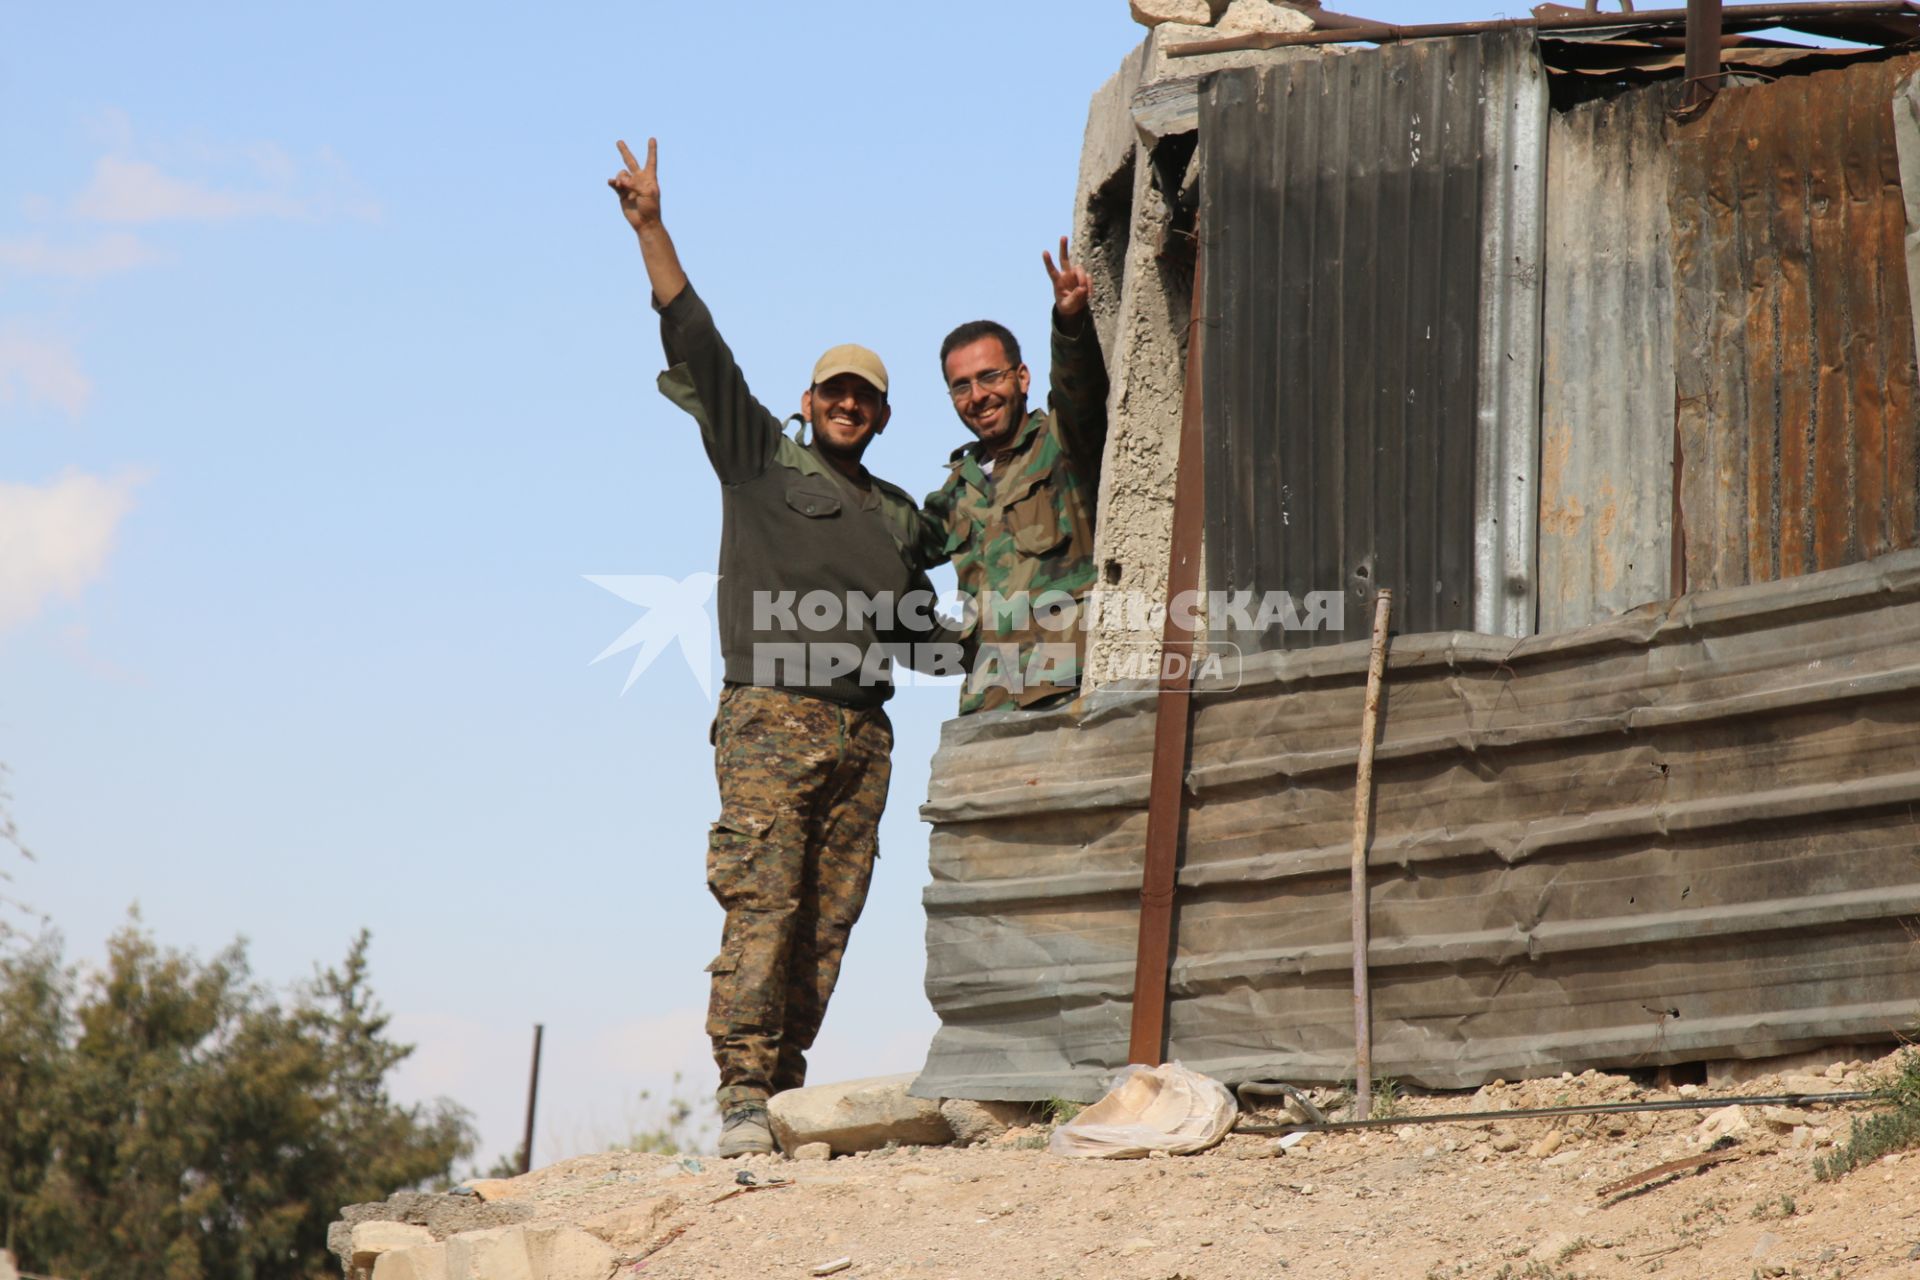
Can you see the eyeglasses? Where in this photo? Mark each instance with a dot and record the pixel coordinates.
(991, 380)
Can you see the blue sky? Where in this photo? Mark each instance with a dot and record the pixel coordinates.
(326, 377)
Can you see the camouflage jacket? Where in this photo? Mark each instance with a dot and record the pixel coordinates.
(1021, 539)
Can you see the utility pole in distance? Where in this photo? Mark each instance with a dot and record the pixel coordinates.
(533, 1094)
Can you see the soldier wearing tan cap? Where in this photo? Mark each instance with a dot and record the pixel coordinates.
(801, 743)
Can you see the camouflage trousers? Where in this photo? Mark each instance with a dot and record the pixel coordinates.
(802, 784)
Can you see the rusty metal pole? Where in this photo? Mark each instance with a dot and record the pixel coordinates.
(533, 1093)
(1362, 829)
(1172, 725)
(1704, 29)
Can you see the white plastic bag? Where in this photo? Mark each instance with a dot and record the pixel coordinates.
(1165, 1108)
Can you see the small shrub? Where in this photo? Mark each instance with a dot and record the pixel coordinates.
(1059, 1110)
(682, 1125)
(1871, 1137)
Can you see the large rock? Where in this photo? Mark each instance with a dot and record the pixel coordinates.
(974, 1122)
(567, 1253)
(422, 1262)
(372, 1239)
(7, 1269)
(859, 1115)
(498, 1253)
(1201, 13)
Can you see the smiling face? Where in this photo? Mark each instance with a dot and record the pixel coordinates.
(989, 391)
(846, 413)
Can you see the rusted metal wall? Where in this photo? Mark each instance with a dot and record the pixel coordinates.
(1606, 388)
(1793, 334)
(1684, 833)
(1374, 226)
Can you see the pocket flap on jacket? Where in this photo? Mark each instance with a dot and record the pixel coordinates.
(813, 498)
(744, 820)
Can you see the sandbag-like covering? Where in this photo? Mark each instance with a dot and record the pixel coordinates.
(1683, 834)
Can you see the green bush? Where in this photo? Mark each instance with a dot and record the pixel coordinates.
(171, 1118)
(1873, 1136)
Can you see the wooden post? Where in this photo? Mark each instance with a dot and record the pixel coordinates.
(1362, 825)
(1173, 715)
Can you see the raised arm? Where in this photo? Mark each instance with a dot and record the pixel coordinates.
(1077, 395)
(639, 192)
(740, 435)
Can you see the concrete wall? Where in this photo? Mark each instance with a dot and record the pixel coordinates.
(1140, 249)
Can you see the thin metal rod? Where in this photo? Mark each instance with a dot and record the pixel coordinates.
(1173, 715)
(1761, 15)
(533, 1094)
(1362, 831)
(1542, 1113)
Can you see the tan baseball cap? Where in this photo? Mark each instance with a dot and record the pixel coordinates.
(851, 358)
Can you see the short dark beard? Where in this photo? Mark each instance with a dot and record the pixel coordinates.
(825, 444)
(1018, 405)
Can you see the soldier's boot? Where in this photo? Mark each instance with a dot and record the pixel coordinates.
(744, 1131)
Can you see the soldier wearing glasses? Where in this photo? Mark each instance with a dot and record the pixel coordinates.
(1016, 515)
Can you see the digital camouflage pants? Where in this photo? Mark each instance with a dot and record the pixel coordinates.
(802, 784)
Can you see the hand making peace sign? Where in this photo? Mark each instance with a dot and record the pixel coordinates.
(1072, 286)
(639, 189)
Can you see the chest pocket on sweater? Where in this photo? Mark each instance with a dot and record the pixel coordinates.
(813, 496)
(1035, 521)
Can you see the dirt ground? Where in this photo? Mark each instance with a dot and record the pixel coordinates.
(1495, 1198)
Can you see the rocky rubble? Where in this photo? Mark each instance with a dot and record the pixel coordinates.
(1520, 1197)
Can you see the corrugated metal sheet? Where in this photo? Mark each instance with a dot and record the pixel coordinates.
(1684, 833)
(1793, 333)
(1373, 262)
(1606, 454)
(1513, 123)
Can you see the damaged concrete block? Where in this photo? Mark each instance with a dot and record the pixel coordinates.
(858, 1115)
(567, 1253)
(1243, 17)
(421, 1262)
(371, 1239)
(1204, 13)
(497, 1253)
(973, 1122)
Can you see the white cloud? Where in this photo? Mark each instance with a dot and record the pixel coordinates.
(125, 190)
(42, 370)
(106, 255)
(55, 538)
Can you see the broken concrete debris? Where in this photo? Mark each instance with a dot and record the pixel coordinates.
(1200, 13)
